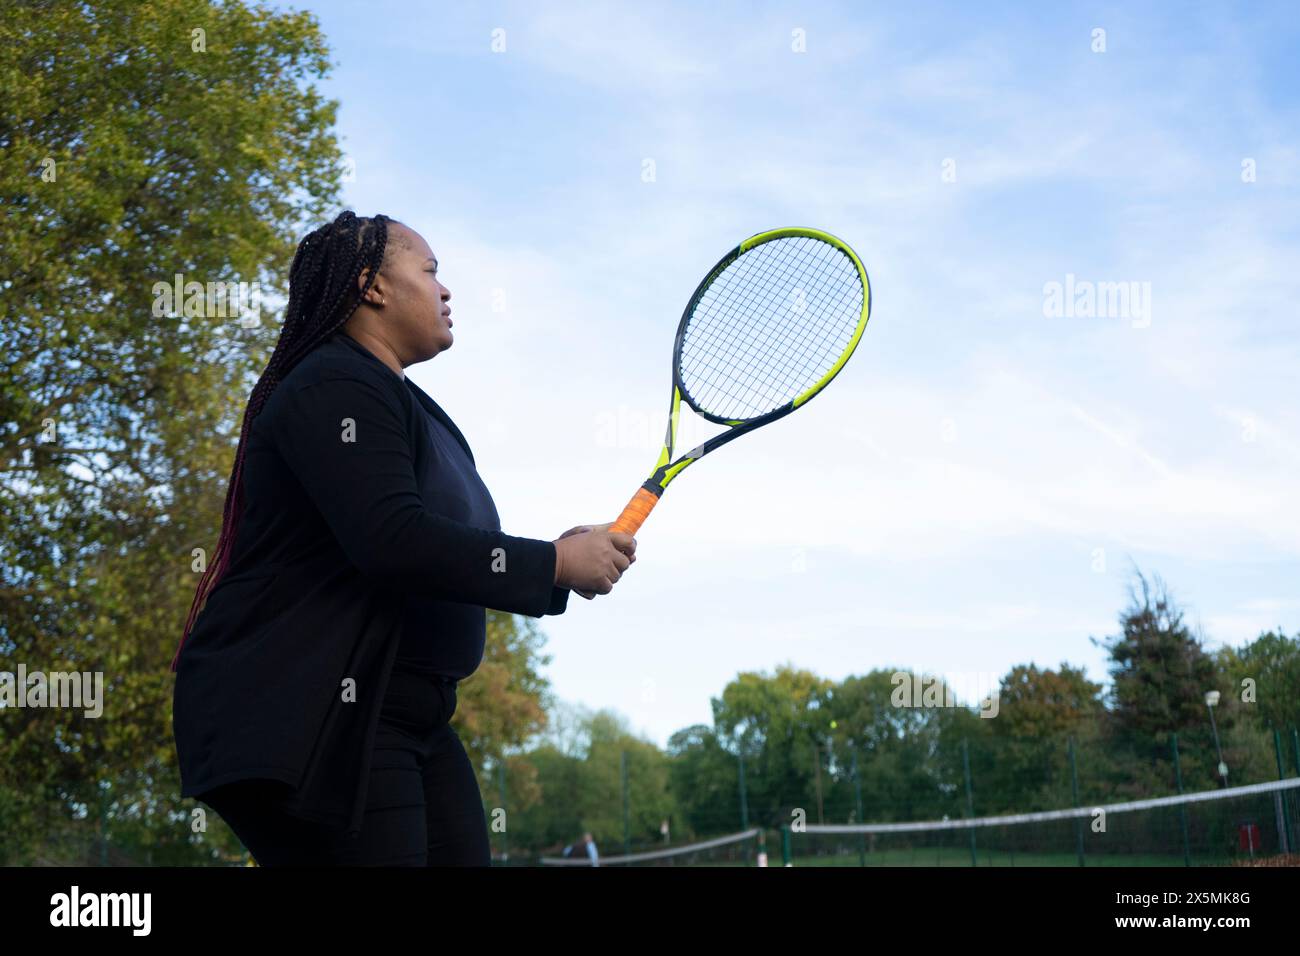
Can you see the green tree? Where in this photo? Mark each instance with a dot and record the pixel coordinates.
(781, 722)
(705, 780)
(1264, 675)
(581, 789)
(1159, 669)
(1027, 763)
(503, 705)
(137, 142)
(1047, 703)
(1160, 674)
(650, 801)
(893, 720)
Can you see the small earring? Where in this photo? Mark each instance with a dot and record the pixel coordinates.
(381, 300)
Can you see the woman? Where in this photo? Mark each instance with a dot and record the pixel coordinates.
(358, 552)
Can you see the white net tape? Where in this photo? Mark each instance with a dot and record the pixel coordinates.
(1049, 815)
(652, 855)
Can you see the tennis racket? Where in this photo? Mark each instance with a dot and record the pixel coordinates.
(771, 324)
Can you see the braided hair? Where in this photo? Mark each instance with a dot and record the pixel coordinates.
(323, 294)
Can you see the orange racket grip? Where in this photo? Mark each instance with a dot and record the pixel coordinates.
(637, 510)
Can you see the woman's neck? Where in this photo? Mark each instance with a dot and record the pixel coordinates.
(375, 346)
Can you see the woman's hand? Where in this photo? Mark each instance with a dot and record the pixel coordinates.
(606, 557)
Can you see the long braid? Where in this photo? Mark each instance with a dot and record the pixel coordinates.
(323, 294)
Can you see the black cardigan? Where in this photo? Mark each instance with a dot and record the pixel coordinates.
(284, 672)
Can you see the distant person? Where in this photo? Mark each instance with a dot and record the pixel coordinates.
(586, 844)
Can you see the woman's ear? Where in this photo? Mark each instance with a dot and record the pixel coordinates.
(374, 296)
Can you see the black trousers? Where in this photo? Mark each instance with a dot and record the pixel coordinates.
(423, 806)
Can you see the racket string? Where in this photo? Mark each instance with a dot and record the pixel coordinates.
(784, 388)
(738, 311)
(777, 389)
(828, 336)
(724, 304)
(741, 356)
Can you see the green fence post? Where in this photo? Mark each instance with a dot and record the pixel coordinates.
(103, 826)
(1182, 808)
(1295, 752)
(787, 858)
(505, 837)
(744, 800)
(1280, 800)
(970, 798)
(857, 794)
(817, 774)
(627, 831)
(1074, 790)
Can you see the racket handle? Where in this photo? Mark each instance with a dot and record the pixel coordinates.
(637, 510)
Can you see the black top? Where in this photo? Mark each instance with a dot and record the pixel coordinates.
(439, 637)
(347, 536)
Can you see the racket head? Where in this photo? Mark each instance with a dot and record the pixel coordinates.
(770, 326)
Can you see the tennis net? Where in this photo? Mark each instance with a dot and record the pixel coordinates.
(1212, 827)
(736, 849)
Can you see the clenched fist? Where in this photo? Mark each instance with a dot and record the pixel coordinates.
(591, 558)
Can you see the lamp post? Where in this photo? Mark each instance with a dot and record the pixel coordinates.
(1211, 700)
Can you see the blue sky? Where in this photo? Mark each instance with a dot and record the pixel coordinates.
(974, 488)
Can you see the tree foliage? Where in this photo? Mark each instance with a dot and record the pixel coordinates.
(132, 149)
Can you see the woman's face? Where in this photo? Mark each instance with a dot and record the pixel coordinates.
(414, 312)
